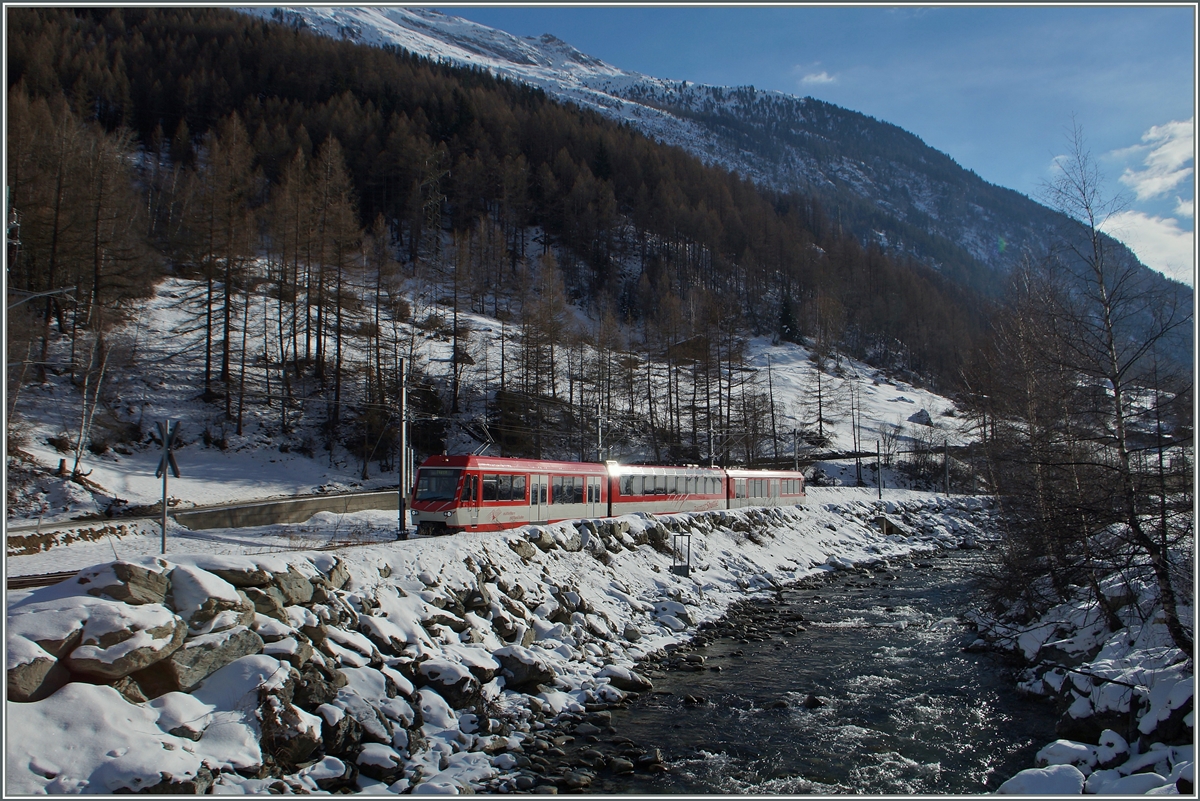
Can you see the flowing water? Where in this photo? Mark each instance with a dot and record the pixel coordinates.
(905, 709)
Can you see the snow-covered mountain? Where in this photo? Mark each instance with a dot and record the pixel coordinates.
(876, 179)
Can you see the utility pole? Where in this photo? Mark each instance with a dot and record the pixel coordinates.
(402, 460)
(796, 450)
(879, 469)
(946, 462)
(774, 431)
(599, 435)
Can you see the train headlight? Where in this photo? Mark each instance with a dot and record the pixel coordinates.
(447, 514)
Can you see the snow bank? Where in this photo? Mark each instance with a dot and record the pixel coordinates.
(420, 666)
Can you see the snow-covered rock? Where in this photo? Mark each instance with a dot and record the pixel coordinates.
(1054, 780)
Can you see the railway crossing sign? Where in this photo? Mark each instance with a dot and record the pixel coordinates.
(168, 432)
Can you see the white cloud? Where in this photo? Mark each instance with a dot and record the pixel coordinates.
(1185, 209)
(818, 77)
(1168, 157)
(1158, 242)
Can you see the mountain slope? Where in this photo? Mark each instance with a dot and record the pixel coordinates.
(879, 181)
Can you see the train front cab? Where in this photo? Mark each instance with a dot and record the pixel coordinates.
(479, 493)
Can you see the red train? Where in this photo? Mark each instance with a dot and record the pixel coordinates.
(487, 493)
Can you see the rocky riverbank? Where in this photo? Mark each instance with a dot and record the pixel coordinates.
(478, 662)
(1125, 697)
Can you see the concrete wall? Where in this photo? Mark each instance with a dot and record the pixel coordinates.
(286, 511)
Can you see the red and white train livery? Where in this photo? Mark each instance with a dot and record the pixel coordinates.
(488, 493)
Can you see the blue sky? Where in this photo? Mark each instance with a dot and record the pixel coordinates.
(996, 88)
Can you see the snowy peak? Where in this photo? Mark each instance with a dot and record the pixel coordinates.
(541, 60)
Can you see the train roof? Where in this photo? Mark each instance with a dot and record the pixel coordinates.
(739, 472)
(500, 463)
(506, 463)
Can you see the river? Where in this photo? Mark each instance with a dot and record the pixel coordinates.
(897, 706)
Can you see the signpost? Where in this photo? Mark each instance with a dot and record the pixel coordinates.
(167, 432)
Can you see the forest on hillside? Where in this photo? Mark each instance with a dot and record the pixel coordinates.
(255, 157)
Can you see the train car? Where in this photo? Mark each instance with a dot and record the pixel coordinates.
(488, 493)
(763, 488)
(662, 490)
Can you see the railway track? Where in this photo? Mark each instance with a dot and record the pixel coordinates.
(42, 580)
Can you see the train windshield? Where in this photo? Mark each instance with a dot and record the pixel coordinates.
(436, 484)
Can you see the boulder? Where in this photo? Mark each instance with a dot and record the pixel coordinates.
(376, 727)
(294, 651)
(1054, 780)
(127, 582)
(119, 639)
(268, 601)
(625, 679)
(129, 688)
(57, 629)
(295, 587)
(330, 774)
(523, 669)
(920, 417)
(242, 577)
(340, 733)
(33, 674)
(380, 762)
(199, 597)
(523, 548)
(338, 575)
(477, 600)
(450, 680)
(317, 685)
(544, 540)
(289, 734)
(198, 784)
(201, 656)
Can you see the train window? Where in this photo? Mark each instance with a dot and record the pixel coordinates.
(469, 491)
(437, 484)
(627, 485)
(660, 485)
(593, 492)
(567, 489)
(504, 488)
(518, 488)
(739, 488)
(491, 483)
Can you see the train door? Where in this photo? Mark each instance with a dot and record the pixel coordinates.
(470, 497)
(537, 498)
(594, 508)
